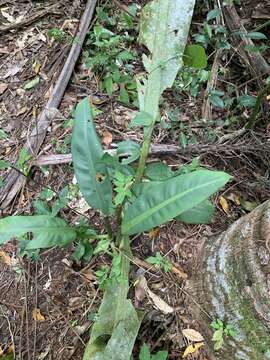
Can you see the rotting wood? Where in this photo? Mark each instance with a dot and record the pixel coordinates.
(15, 181)
(255, 61)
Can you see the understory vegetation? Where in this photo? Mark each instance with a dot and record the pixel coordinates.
(171, 74)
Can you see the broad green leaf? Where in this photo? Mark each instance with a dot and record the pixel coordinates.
(87, 152)
(129, 150)
(114, 333)
(47, 230)
(144, 353)
(158, 171)
(170, 20)
(195, 56)
(141, 119)
(162, 203)
(199, 214)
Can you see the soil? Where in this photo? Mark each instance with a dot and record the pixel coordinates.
(47, 306)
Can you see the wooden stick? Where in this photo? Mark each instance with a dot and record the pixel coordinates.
(15, 181)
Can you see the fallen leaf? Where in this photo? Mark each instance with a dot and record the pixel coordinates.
(37, 316)
(5, 258)
(191, 349)
(4, 50)
(248, 205)
(37, 67)
(3, 88)
(140, 288)
(192, 335)
(159, 303)
(224, 204)
(31, 84)
(235, 198)
(153, 234)
(107, 138)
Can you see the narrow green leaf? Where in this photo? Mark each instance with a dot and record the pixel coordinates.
(255, 35)
(164, 202)
(195, 56)
(199, 214)
(87, 152)
(47, 230)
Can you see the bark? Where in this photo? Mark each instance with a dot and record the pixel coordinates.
(232, 283)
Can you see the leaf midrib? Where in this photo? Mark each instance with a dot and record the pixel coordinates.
(163, 204)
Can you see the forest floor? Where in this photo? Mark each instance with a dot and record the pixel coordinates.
(47, 306)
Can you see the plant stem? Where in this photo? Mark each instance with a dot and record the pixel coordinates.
(253, 117)
(108, 227)
(144, 154)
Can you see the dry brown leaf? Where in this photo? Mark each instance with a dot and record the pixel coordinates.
(235, 198)
(140, 288)
(37, 67)
(192, 335)
(159, 303)
(5, 258)
(107, 138)
(37, 316)
(153, 234)
(224, 204)
(3, 88)
(191, 349)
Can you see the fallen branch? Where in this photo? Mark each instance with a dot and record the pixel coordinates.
(255, 61)
(163, 149)
(14, 181)
(30, 20)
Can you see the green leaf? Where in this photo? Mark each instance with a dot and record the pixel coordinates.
(247, 101)
(171, 21)
(255, 35)
(195, 56)
(114, 333)
(199, 214)
(47, 230)
(129, 150)
(144, 353)
(87, 152)
(31, 84)
(213, 14)
(163, 202)
(161, 355)
(108, 85)
(4, 165)
(158, 171)
(141, 119)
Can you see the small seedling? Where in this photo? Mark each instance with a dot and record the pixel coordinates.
(58, 35)
(160, 262)
(221, 330)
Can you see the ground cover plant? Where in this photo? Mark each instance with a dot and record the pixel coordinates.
(145, 92)
(118, 189)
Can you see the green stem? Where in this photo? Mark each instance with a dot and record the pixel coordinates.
(253, 117)
(144, 154)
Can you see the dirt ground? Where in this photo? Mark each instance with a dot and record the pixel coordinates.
(47, 306)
